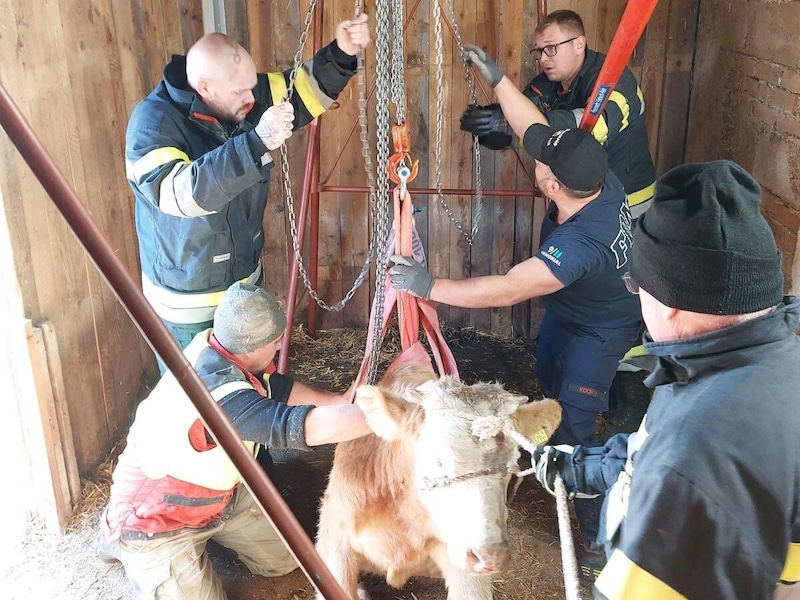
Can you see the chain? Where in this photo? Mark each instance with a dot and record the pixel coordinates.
(380, 221)
(437, 176)
(476, 147)
(398, 81)
(287, 188)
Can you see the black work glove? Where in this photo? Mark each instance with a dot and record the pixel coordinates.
(489, 124)
(557, 459)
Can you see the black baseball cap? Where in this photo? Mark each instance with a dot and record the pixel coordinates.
(575, 157)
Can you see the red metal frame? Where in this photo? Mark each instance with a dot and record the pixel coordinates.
(313, 187)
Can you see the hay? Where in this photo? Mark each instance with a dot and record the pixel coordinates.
(65, 567)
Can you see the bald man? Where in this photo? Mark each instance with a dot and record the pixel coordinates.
(199, 153)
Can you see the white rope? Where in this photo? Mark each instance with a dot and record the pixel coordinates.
(568, 560)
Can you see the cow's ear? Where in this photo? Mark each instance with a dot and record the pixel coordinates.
(538, 420)
(384, 413)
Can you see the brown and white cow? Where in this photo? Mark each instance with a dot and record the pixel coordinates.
(426, 495)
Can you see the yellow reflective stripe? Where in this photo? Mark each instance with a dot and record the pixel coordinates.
(623, 579)
(635, 351)
(187, 308)
(228, 388)
(277, 85)
(791, 569)
(643, 195)
(640, 95)
(306, 93)
(156, 158)
(624, 108)
(600, 130)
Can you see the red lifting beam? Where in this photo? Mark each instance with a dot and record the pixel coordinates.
(630, 29)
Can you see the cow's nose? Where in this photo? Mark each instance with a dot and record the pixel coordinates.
(488, 559)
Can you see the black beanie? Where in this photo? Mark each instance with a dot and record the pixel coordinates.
(703, 245)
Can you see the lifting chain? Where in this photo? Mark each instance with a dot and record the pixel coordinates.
(380, 221)
(287, 188)
(437, 177)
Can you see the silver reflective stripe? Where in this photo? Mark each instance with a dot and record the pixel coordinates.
(175, 193)
(187, 308)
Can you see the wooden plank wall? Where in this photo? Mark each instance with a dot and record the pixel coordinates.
(78, 74)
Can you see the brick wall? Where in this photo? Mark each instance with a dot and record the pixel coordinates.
(745, 106)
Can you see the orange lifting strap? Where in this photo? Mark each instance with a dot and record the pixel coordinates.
(411, 311)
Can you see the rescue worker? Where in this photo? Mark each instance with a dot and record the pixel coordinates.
(569, 71)
(199, 154)
(174, 488)
(704, 498)
(590, 319)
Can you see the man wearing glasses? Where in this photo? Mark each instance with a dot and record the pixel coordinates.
(568, 74)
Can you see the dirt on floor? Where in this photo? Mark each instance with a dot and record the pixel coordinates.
(62, 567)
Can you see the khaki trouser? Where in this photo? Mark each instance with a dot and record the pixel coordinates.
(177, 567)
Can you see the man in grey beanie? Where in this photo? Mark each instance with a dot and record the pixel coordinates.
(703, 501)
(174, 488)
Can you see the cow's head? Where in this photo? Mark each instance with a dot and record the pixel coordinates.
(464, 456)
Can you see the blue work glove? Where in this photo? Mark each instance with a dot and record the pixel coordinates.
(484, 64)
(489, 125)
(407, 275)
(557, 459)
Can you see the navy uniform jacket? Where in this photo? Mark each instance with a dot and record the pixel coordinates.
(201, 185)
(621, 127)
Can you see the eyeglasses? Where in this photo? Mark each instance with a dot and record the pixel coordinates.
(630, 283)
(550, 50)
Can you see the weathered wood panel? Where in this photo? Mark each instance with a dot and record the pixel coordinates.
(96, 63)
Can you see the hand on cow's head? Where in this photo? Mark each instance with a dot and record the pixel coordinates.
(386, 414)
(537, 421)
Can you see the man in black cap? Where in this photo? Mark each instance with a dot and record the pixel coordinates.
(591, 320)
(704, 498)
(174, 488)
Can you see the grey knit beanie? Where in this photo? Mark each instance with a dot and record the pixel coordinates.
(247, 318)
(704, 246)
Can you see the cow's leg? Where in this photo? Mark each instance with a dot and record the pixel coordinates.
(341, 561)
(463, 586)
(460, 584)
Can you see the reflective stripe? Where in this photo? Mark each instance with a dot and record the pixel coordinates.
(187, 307)
(175, 194)
(623, 579)
(152, 160)
(308, 93)
(277, 86)
(624, 108)
(635, 351)
(642, 195)
(791, 570)
(228, 388)
(600, 130)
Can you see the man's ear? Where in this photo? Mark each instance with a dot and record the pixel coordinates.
(202, 89)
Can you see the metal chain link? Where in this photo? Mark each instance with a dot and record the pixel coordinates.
(379, 203)
(437, 178)
(476, 147)
(398, 79)
(287, 189)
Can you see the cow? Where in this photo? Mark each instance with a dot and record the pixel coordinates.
(426, 494)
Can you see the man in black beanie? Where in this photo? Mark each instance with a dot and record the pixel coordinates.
(703, 501)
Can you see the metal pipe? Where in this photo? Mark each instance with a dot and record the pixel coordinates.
(445, 191)
(161, 340)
